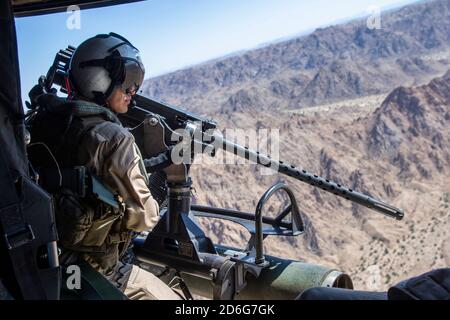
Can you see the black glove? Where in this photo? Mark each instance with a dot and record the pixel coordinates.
(34, 94)
(159, 162)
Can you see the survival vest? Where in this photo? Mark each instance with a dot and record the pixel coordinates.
(88, 214)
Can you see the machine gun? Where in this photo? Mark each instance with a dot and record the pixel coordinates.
(178, 241)
(178, 244)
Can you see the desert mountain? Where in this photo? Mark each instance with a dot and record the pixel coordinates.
(331, 64)
(398, 151)
(368, 109)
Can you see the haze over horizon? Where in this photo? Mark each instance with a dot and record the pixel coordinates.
(183, 33)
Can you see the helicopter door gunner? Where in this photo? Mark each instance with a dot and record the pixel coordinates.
(84, 131)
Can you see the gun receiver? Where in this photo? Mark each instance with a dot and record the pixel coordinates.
(172, 115)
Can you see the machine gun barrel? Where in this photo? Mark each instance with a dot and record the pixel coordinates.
(178, 118)
(309, 178)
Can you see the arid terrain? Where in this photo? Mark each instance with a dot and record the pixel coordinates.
(369, 109)
(389, 152)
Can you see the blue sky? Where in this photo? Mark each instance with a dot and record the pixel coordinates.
(172, 34)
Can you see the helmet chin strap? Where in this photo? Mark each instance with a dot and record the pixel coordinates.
(101, 98)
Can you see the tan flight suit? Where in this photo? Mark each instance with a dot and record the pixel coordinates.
(111, 153)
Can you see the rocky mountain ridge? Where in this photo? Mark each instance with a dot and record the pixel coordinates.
(331, 64)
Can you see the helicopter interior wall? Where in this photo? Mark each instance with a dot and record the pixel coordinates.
(26, 212)
(12, 152)
(11, 111)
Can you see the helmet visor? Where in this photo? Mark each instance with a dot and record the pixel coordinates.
(133, 75)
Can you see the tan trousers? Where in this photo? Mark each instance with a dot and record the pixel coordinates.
(144, 285)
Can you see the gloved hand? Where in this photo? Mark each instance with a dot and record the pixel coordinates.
(159, 162)
(37, 91)
(34, 94)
